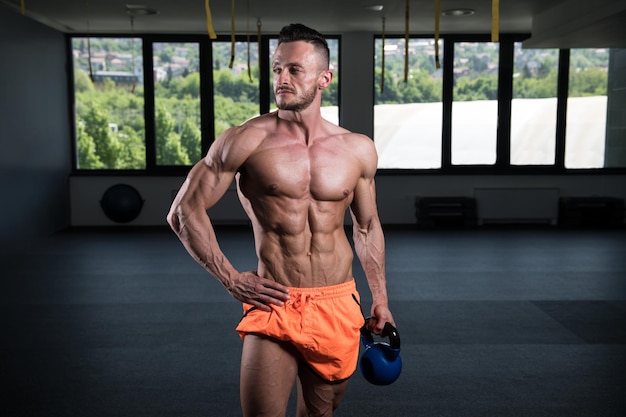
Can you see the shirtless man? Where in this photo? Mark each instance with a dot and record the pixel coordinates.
(296, 176)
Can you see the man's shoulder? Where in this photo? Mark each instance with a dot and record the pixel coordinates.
(360, 146)
(349, 136)
(237, 143)
(255, 128)
(262, 121)
(358, 141)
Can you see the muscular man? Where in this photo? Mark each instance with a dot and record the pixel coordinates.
(296, 176)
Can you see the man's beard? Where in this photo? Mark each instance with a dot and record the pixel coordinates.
(300, 103)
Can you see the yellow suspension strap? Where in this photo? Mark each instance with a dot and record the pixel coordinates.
(495, 20)
(382, 65)
(91, 77)
(209, 20)
(406, 40)
(23, 7)
(232, 34)
(437, 15)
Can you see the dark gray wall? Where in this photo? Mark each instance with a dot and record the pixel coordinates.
(35, 151)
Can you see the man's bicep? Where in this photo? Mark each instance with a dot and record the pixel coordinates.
(363, 207)
(212, 183)
(364, 202)
(204, 186)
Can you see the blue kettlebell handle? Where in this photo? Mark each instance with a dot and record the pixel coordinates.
(388, 331)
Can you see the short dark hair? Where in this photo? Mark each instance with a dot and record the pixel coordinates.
(299, 32)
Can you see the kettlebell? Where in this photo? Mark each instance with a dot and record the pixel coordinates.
(380, 362)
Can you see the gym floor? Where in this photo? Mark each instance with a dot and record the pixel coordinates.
(494, 322)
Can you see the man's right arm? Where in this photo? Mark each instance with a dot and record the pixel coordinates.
(205, 185)
(202, 188)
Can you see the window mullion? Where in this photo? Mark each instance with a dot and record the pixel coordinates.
(561, 110)
(149, 108)
(447, 96)
(505, 94)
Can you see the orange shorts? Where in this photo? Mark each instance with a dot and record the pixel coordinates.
(322, 323)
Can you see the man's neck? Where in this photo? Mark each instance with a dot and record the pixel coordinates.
(309, 121)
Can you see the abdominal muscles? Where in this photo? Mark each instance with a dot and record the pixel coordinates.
(306, 247)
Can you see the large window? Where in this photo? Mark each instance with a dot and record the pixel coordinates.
(586, 108)
(407, 112)
(534, 106)
(176, 69)
(154, 104)
(502, 108)
(236, 89)
(475, 103)
(109, 103)
(124, 122)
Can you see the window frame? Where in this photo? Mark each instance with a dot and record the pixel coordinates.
(501, 166)
(206, 102)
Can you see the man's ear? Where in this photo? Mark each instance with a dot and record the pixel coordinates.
(325, 78)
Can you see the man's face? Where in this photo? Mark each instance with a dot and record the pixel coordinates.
(296, 68)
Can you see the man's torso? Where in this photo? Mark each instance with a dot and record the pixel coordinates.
(296, 192)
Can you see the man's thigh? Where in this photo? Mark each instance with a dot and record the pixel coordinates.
(316, 396)
(268, 371)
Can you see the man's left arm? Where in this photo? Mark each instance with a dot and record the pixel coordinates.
(369, 243)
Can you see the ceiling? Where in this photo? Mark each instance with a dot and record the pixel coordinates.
(551, 23)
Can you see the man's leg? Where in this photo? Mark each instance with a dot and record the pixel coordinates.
(268, 371)
(316, 396)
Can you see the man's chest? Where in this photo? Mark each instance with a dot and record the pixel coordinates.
(298, 171)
